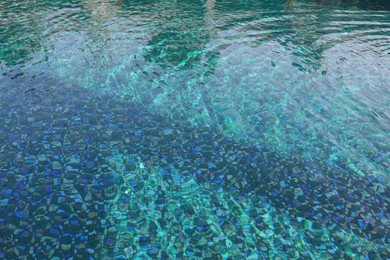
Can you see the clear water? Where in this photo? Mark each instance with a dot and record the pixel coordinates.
(194, 130)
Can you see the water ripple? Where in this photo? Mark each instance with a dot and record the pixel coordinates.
(278, 110)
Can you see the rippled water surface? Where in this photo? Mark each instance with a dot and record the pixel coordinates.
(194, 129)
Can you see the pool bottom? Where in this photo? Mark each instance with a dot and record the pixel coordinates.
(161, 211)
(92, 176)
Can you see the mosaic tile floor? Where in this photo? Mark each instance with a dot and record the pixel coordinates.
(194, 130)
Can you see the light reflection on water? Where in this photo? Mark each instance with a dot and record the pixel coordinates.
(304, 82)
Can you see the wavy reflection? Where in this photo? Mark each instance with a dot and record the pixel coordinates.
(204, 129)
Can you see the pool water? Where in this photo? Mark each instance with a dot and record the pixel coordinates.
(213, 129)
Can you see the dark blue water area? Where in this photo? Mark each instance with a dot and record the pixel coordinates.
(53, 184)
(58, 181)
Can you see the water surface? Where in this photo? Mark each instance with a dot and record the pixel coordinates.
(179, 129)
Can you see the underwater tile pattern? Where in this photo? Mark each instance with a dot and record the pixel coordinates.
(194, 129)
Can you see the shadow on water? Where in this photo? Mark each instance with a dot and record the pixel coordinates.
(76, 170)
(52, 182)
